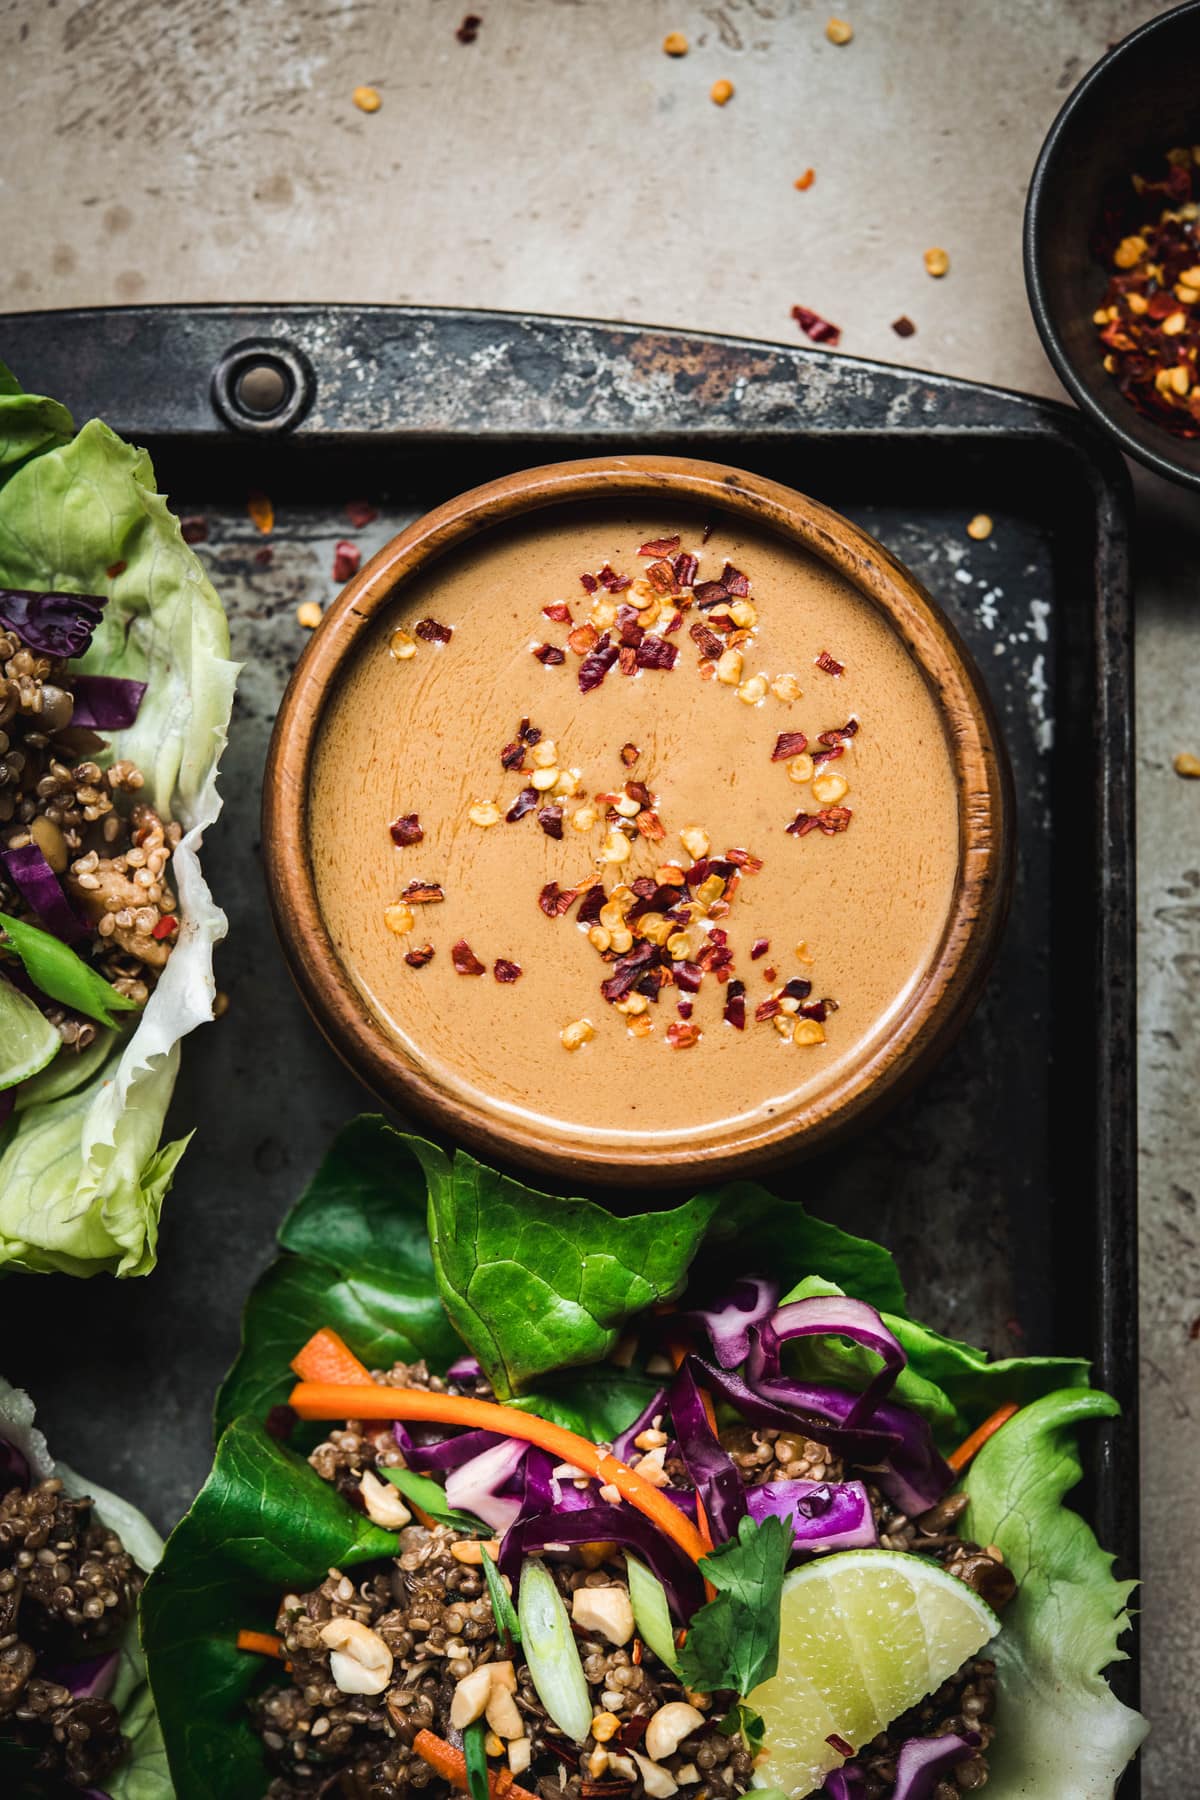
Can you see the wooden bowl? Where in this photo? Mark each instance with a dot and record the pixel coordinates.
(923, 1026)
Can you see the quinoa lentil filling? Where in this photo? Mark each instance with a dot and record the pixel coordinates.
(67, 1589)
(422, 1624)
(109, 849)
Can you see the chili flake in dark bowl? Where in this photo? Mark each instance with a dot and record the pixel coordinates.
(1112, 228)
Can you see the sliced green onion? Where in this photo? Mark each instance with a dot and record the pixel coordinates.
(551, 1652)
(475, 1752)
(503, 1611)
(651, 1613)
(430, 1496)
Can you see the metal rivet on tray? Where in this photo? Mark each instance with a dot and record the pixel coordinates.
(263, 385)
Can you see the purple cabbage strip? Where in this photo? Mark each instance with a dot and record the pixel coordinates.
(41, 889)
(844, 1784)
(608, 1524)
(91, 1679)
(714, 1473)
(624, 1444)
(828, 1315)
(750, 1301)
(485, 1486)
(922, 1761)
(465, 1368)
(825, 1515)
(52, 624)
(106, 702)
(451, 1452)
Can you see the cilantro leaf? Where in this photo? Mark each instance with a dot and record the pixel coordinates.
(733, 1642)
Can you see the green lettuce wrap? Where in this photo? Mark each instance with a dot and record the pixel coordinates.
(82, 1170)
(407, 1253)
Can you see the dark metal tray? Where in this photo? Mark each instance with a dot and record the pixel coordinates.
(1006, 1184)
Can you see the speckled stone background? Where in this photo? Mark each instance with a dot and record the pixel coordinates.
(208, 150)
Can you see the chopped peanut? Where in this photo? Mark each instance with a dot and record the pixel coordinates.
(694, 841)
(543, 780)
(808, 1031)
(729, 667)
(828, 789)
(583, 818)
(786, 687)
(573, 1036)
(753, 691)
(617, 848)
(470, 1550)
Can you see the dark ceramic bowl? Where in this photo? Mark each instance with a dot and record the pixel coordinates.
(1139, 101)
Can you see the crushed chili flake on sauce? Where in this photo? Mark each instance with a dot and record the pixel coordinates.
(590, 905)
(432, 632)
(655, 653)
(583, 639)
(416, 959)
(758, 948)
(681, 1034)
(789, 744)
(560, 612)
(465, 960)
(506, 971)
(597, 663)
(734, 1011)
(830, 820)
(820, 757)
(346, 559)
(660, 546)
(839, 733)
(744, 859)
(549, 654)
(550, 818)
(555, 901)
(629, 754)
(524, 803)
(616, 584)
(512, 755)
(686, 566)
(406, 830)
(360, 513)
(820, 330)
(829, 664)
(423, 893)
(684, 1008)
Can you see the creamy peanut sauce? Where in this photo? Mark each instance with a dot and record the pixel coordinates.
(424, 735)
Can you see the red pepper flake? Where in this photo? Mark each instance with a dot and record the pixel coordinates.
(758, 948)
(655, 653)
(637, 790)
(583, 639)
(468, 31)
(661, 576)
(550, 818)
(589, 583)
(818, 1010)
(512, 755)
(506, 971)
(684, 1008)
(555, 901)
(687, 976)
(524, 803)
(767, 1009)
(803, 182)
(264, 557)
(360, 513)
(662, 546)
(833, 819)
(734, 582)
(634, 1730)
(629, 628)
(789, 744)
(650, 826)
(673, 623)
(627, 656)
(548, 654)
(194, 530)
(709, 643)
(164, 927)
(406, 830)
(423, 893)
(115, 569)
(261, 512)
(802, 824)
(744, 859)
(629, 754)
(616, 584)
(465, 960)
(839, 733)
(416, 959)
(770, 975)
(560, 612)
(840, 1744)
(635, 1655)
(735, 1005)
(432, 632)
(628, 970)
(709, 593)
(596, 664)
(904, 327)
(591, 904)
(686, 566)
(797, 988)
(820, 757)
(815, 327)
(829, 664)
(529, 734)
(681, 1035)
(346, 558)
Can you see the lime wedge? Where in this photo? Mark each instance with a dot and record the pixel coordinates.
(27, 1040)
(864, 1635)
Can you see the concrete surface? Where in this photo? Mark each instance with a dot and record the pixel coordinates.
(206, 150)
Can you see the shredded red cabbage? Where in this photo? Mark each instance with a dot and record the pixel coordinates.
(786, 1404)
(825, 1515)
(41, 889)
(106, 702)
(844, 1784)
(465, 1368)
(713, 1471)
(607, 1524)
(921, 1762)
(442, 1454)
(52, 624)
(750, 1301)
(91, 1679)
(485, 1486)
(624, 1444)
(832, 1315)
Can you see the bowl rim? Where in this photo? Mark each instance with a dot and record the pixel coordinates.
(1109, 422)
(938, 1005)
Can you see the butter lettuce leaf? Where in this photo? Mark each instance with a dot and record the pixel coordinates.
(1060, 1729)
(83, 1175)
(29, 423)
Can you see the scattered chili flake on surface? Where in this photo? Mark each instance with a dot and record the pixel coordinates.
(524, 803)
(658, 547)
(549, 654)
(464, 958)
(789, 744)
(264, 556)
(681, 1035)
(468, 31)
(721, 93)
(820, 330)
(979, 527)
(432, 632)
(367, 99)
(829, 664)
(423, 893)
(675, 44)
(506, 971)
(805, 181)
(768, 1008)
(261, 511)
(937, 263)
(550, 818)
(360, 513)
(164, 927)
(629, 754)
(560, 612)
(194, 530)
(346, 558)
(758, 948)
(904, 327)
(406, 830)
(416, 959)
